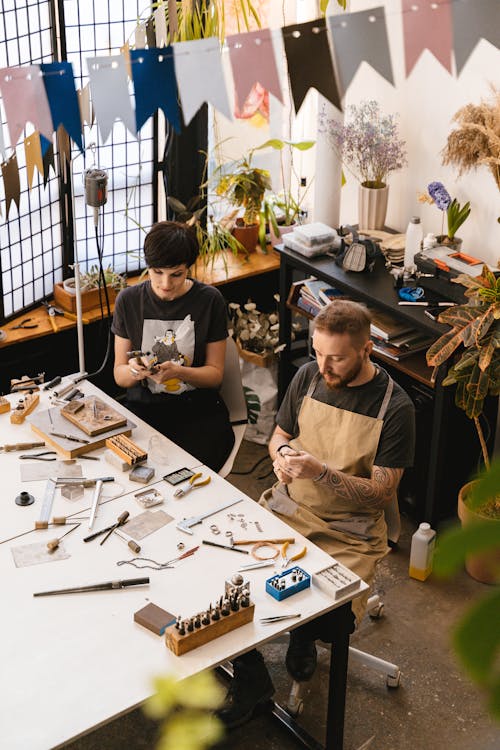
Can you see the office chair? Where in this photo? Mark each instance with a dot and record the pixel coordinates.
(374, 609)
(232, 392)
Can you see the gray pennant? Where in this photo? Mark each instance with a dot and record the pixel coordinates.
(359, 37)
(473, 20)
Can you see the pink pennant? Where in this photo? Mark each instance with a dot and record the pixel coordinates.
(427, 24)
(253, 61)
(25, 100)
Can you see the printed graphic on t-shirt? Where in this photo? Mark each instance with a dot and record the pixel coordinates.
(169, 341)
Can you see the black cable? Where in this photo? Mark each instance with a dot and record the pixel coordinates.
(250, 471)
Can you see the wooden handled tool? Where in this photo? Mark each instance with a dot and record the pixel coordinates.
(54, 543)
(264, 541)
(21, 446)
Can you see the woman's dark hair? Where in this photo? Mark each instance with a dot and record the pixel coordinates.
(170, 243)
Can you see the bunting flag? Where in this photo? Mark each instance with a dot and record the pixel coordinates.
(154, 84)
(473, 20)
(160, 22)
(109, 87)
(33, 155)
(85, 105)
(63, 143)
(63, 101)
(140, 36)
(309, 61)
(427, 25)
(253, 61)
(125, 51)
(172, 17)
(359, 37)
(48, 159)
(200, 77)
(150, 33)
(25, 100)
(2, 142)
(10, 174)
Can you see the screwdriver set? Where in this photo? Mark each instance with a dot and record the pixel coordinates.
(232, 610)
(283, 585)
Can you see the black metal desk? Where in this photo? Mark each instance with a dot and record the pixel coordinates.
(377, 289)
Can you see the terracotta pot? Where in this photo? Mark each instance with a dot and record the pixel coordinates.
(248, 235)
(484, 567)
(372, 206)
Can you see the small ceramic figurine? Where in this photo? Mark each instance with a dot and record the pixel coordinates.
(429, 241)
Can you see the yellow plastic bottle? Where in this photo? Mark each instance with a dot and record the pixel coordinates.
(422, 552)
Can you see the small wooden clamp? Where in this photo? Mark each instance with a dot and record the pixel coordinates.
(126, 449)
(25, 407)
(26, 383)
(4, 405)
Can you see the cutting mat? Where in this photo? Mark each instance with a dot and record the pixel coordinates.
(41, 424)
(92, 415)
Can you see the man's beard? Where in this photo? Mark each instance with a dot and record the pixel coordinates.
(335, 382)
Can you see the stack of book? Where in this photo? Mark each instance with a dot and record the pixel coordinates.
(396, 339)
(314, 295)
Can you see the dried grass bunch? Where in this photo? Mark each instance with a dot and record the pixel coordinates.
(476, 141)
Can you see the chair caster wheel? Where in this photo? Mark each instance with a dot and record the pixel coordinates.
(376, 612)
(393, 681)
(295, 708)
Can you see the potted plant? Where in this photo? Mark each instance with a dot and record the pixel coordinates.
(244, 185)
(475, 327)
(91, 288)
(280, 210)
(455, 213)
(369, 146)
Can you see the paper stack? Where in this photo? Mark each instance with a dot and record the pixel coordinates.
(312, 239)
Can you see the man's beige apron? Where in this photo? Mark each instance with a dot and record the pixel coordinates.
(353, 533)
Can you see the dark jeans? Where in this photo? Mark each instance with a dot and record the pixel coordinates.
(197, 421)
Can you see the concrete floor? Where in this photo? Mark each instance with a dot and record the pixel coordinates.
(435, 707)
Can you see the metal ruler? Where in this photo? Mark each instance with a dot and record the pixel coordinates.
(95, 502)
(48, 500)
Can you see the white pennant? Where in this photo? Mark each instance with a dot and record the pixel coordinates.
(110, 93)
(140, 36)
(200, 77)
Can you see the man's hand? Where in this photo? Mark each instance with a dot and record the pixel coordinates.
(297, 465)
(281, 474)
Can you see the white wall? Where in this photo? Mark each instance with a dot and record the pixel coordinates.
(426, 103)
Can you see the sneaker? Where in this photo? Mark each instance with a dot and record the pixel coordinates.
(250, 691)
(301, 657)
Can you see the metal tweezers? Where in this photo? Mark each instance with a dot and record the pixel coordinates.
(277, 618)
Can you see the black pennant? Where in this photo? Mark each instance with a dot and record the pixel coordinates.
(309, 61)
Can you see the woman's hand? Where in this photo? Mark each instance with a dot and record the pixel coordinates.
(138, 372)
(166, 371)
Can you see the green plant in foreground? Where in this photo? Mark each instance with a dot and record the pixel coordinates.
(185, 710)
(456, 215)
(476, 637)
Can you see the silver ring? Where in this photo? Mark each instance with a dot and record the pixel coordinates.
(134, 371)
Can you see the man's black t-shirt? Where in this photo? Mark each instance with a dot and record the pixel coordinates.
(397, 440)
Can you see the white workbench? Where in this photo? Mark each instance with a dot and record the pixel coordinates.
(73, 662)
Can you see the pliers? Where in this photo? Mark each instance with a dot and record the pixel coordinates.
(192, 485)
(39, 456)
(52, 311)
(24, 324)
(285, 560)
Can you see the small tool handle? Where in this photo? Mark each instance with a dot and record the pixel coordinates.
(22, 446)
(53, 323)
(53, 545)
(134, 546)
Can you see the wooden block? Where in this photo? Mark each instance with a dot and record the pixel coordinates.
(90, 299)
(4, 405)
(126, 449)
(181, 644)
(93, 416)
(20, 412)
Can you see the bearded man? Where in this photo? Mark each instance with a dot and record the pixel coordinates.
(345, 433)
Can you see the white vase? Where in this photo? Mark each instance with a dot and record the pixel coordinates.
(372, 207)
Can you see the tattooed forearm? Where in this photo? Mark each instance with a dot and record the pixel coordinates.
(374, 492)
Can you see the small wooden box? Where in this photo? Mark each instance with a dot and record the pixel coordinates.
(90, 299)
(181, 644)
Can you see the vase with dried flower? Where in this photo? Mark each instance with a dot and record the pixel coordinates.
(476, 140)
(369, 146)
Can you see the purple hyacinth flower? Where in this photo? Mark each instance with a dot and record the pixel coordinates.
(440, 195)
